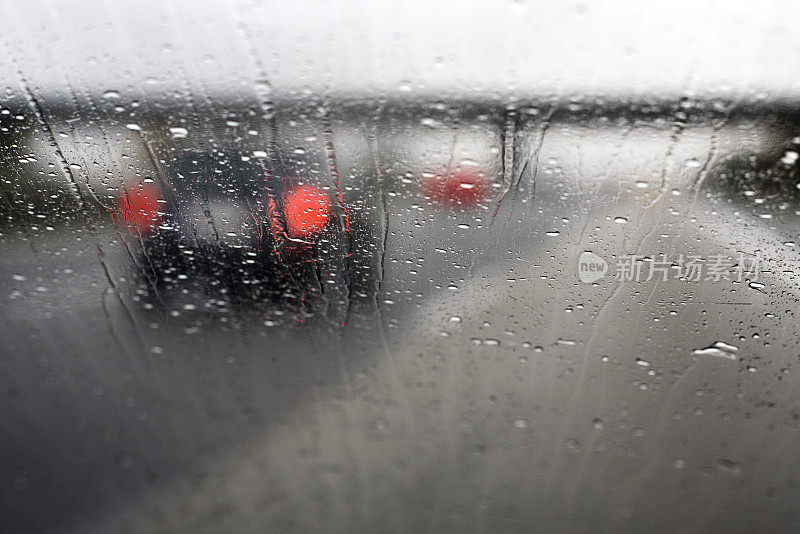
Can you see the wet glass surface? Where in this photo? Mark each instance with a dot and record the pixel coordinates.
(266, 308)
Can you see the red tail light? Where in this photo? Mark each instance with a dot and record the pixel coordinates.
(307, 210)
(461, 187)
(138, 207)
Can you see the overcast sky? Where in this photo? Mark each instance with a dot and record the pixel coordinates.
(427, 47)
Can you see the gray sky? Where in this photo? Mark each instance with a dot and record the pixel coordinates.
(425, 47)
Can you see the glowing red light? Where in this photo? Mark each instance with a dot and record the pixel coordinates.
(460, 187)
(138, 207)
(307, 210)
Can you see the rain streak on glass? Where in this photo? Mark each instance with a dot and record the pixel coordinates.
(430, 267)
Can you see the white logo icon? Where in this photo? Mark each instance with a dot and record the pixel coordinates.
(591, 267)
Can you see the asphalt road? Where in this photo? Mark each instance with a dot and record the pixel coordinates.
(473, 384)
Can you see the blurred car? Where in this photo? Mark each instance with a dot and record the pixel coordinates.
(225, 217)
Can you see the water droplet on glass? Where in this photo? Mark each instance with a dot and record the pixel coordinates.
(719, 349)
(790, 157)
(178, 132)
(521, 423)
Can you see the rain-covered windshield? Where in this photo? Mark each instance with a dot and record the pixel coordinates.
(332, 267)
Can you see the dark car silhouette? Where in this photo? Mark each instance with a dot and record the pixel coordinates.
(226, 219)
